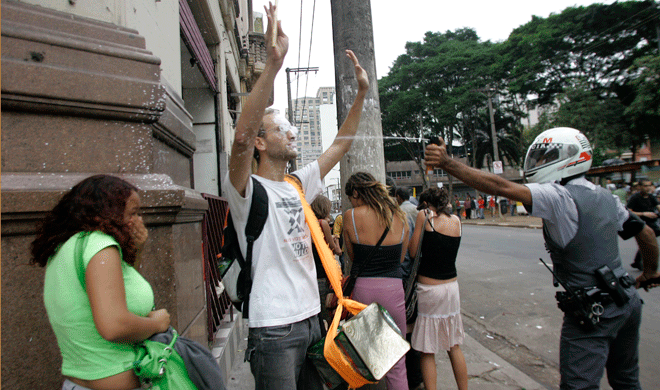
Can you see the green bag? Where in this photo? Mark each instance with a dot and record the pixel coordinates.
(160, 367)
(330, 377)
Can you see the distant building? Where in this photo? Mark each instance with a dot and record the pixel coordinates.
(307, 117)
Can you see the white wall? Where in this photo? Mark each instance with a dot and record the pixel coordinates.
(199, 102)
(158, 23)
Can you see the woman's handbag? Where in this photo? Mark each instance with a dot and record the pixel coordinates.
(160, 367)
(410, 283)
(334, 356)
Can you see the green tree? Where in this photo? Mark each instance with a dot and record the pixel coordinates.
(436, 88)
(595, 61)
(644, 111)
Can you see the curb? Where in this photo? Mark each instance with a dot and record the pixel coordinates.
(504, 224)
(488, 370)
(227, 349)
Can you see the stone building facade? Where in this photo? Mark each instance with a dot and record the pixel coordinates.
(146, 90)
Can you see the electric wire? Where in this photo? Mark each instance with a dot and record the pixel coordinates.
(299, 46)
(309, 57)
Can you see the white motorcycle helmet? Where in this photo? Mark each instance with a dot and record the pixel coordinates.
(557, 154)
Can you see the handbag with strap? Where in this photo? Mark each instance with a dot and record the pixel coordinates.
(410, 283)
(159, 366)
(342, 363)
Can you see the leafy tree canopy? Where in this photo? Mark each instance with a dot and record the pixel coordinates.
(439, 87)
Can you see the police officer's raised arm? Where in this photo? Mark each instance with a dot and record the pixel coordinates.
(436, 156)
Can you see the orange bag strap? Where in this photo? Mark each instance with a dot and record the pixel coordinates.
(331, 351)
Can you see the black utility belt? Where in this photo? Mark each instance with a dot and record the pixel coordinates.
(587, 304)
(607, 292)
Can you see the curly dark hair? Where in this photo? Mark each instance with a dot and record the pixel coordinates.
(96, 203)
(375, 194)
(434, 196)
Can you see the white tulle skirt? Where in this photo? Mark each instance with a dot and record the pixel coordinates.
(439, 326)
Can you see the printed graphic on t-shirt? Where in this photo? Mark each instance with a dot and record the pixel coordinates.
(293, 208)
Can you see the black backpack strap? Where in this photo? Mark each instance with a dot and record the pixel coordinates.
(255, 225)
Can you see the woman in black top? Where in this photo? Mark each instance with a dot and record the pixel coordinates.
(439, 325)
(380, 280)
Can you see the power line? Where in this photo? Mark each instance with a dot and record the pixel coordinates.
(309, 56)
(299, 47)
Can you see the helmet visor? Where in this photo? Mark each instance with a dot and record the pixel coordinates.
(542, 155)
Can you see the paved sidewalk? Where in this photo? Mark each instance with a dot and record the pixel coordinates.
(486, 371)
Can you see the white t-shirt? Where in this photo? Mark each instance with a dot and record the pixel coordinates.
(553, 203)
(284, 287)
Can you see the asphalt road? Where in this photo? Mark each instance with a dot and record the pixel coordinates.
(508, 303)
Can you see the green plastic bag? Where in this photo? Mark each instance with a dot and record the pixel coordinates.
(160, 367)
(330, 377)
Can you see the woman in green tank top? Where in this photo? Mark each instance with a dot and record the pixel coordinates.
(97, 318)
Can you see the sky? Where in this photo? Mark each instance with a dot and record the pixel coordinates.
(394, 24)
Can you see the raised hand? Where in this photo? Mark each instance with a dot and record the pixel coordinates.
(276, 53)
(436, 155)
(360, 74)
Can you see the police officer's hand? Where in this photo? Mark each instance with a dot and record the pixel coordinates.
(435, 156)
(650, 215)
(645, 277)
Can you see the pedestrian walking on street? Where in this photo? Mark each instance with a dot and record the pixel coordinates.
(457, 206)
(491, 205)
(482, 206)
(513, 204)
(468, 206)
(580, 226)
(439, 326)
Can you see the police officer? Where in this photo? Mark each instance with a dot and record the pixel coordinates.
(580, 224)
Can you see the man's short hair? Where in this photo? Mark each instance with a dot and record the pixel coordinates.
(403, 193)
(391, 186)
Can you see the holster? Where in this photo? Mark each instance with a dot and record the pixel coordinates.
(582, 306)
(612, 285)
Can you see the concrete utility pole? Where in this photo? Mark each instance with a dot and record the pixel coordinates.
(493, 132)
(352, 29)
